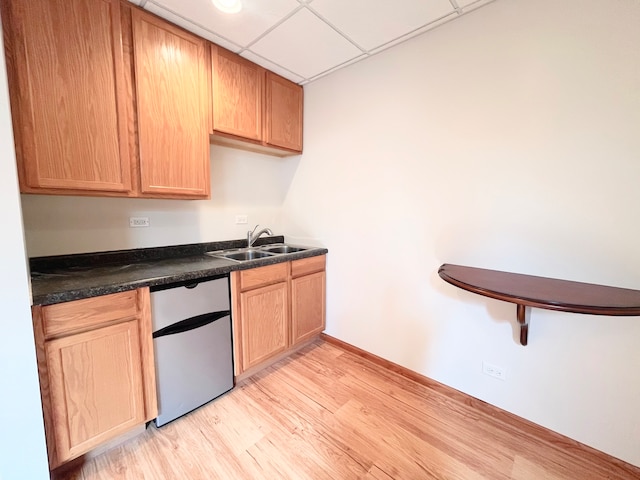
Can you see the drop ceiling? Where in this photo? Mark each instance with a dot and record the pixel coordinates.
(304, 40)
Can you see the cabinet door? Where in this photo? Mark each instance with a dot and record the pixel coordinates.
(307, 306)
(283, 113)
(172, 103)
(95, 381)
(67, 94)
(264, 323)
(237, 91)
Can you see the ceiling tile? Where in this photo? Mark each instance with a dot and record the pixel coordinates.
(249, 55)
(255, 18)
(385, 20)
(305, 45)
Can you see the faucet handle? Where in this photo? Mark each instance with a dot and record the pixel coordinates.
(250, 238)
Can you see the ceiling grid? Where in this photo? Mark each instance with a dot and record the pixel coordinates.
(304, 40)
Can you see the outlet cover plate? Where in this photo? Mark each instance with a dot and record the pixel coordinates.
(494, 371)
(135, 222)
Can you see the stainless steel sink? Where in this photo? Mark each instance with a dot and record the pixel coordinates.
(282, 249)
(253, 253)
(247, 255)
(241, 254)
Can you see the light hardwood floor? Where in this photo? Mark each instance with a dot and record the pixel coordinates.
(328, 413)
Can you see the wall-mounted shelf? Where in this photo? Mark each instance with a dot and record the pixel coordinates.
(550, 293)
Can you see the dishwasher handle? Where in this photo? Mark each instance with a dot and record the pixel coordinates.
(191, 323)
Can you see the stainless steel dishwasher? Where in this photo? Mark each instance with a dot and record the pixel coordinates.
(192, 344)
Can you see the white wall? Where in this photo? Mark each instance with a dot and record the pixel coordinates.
(242, 183)
(22, 446)
(508, 139)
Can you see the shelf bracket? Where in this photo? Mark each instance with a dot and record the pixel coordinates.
(524, 324)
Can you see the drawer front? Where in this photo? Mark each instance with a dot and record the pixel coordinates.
(79, 315)
(256, 277)
(308, 265)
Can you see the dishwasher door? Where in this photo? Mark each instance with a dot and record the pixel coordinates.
(192, 343)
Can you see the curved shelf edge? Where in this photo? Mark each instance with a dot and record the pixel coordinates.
(548, 293)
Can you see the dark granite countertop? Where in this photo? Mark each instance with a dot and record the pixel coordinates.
(63, 278)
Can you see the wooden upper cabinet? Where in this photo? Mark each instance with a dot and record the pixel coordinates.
(283, 113)
(110, 100)
(67, 95)
(237, 91)
(172, 100)
(253, 108)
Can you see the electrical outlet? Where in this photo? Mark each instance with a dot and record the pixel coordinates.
(494, 371)
(241, 219)
(138, 222)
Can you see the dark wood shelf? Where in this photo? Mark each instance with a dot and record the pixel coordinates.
(542, 292)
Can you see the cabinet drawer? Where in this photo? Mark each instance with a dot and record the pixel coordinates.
(256, 277)
(64, 318)
(308, 265)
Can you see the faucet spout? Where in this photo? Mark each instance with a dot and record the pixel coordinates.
(252, 237)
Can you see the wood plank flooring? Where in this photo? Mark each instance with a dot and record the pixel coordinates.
(328, 413)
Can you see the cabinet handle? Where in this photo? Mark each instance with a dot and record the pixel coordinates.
(191, 323)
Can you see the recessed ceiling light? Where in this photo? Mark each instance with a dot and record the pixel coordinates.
(228, 6)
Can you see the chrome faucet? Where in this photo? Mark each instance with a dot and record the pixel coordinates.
(251, 237)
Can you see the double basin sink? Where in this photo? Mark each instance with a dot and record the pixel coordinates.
(253, 253)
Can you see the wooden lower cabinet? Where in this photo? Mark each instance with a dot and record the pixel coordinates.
(95, 383)
(307, 306)
(265, 322)
(275, 309)
(95, 360)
